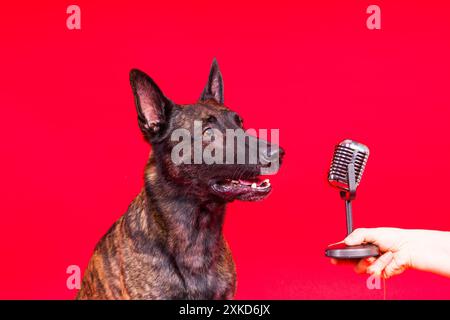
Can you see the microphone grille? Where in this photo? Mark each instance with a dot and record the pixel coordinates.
(344, 153)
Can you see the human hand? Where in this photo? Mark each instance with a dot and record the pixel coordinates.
(401, 249)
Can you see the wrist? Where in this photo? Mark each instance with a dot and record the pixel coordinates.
(430, 251)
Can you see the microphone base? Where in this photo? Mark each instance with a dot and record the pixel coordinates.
(352, 252)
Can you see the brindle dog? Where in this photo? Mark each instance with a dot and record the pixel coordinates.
(169, 244)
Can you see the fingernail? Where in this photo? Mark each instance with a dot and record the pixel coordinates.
(372, 271)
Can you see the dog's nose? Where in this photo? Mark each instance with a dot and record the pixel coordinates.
(277, 153)
(273, 152)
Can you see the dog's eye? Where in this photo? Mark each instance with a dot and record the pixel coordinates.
(211, 119)
(208, 132)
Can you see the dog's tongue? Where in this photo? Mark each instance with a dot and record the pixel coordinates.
(246, 182)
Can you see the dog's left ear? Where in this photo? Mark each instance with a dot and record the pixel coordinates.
(214, 87)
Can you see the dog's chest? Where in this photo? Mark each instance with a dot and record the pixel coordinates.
(205, 275)
(163, 277)
(175, 282)
(214, 284)
(192, 261)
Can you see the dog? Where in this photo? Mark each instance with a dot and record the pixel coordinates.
(169, 244)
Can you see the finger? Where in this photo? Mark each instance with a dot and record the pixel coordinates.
(363, 264)
(395, 267)
(378, 266)
(359, 236)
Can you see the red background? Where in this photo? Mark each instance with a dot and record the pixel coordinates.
(72, 156)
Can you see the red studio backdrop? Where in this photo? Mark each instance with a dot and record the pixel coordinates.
(72, 155)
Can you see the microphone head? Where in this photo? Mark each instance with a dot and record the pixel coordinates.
(346, 152)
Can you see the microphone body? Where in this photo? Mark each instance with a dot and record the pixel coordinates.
(345, 153)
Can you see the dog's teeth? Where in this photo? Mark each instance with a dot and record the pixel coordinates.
(265, 183)
(253, 185)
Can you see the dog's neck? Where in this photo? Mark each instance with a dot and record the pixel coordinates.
(192, 226)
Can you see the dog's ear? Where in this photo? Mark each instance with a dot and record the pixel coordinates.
(214, 87)
(151, 105)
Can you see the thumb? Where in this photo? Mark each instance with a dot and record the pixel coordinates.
(360, 236)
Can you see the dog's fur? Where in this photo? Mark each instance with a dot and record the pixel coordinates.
(169, 244)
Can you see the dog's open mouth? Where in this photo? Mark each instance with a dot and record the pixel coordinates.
(253, 189)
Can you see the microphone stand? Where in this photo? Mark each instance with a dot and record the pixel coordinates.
(349, 195)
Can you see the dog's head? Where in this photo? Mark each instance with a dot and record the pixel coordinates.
(193, 145)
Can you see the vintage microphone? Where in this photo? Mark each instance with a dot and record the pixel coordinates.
(346, 170)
